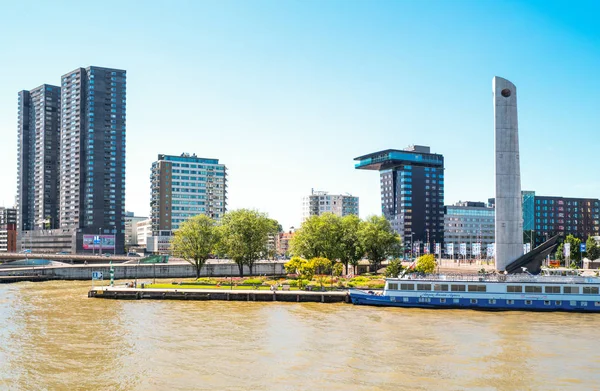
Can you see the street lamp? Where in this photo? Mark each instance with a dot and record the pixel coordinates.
(411, 246)
(100, 240)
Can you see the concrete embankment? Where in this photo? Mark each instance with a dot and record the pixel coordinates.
(218, 294)
(133, 271)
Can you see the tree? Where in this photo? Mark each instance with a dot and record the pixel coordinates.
(245, 236)
(300, 266)
(322, 267)
(338, 269)
(351, 250)
(319, 236)
(560, 252)
(195, 240)
(394, 268)
(574, 255)
(426, 264)
(378, 239)
(592, 249)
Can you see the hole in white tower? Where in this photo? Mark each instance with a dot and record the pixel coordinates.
(505, 92)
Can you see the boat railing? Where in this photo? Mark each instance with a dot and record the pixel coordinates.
(514, 278)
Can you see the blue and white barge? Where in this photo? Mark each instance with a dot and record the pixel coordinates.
(552, 290)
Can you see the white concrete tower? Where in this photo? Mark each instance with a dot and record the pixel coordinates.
(509, 216)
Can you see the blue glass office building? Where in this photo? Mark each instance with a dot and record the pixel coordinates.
(412, 193)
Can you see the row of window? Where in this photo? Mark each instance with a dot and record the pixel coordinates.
(483, 288)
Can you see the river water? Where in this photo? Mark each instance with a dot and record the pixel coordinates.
(53, 337)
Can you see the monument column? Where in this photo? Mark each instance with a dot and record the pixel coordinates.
(509, 216)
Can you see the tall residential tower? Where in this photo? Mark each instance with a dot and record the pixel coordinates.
(412, 193)
(38, 165)
(92, 152)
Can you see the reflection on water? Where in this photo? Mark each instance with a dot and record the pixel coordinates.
(53, 337)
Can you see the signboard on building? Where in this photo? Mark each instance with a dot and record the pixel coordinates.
(96, 242)
(567, 249)
(475, 249)
(438, 249)
(97, 276)
(426, 249)
(463, 249)
(450, 248)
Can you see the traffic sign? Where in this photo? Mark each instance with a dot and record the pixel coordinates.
(97, 276)
(582, 247)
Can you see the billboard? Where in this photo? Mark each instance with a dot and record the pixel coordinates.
(97, 242)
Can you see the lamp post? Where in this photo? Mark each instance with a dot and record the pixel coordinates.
(411, 246)
(100, 239)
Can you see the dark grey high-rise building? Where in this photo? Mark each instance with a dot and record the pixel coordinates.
(92, 152)
(38, 150)
(412, 193)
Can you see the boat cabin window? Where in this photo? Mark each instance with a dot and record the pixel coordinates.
(392, 286)
(407, 287)
(571, 289)
(477, 288)
(458, 288)
(533, 289)
(590, 290)
(514, 289)
(440, 287)
(552, 289)
(423, 287)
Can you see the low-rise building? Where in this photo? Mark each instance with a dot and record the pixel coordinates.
(470, 224)
(131, 237)
(8, 230)
(144, 230)
(159, 242)
(283, 243)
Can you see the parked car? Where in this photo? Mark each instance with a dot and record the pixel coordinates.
(107, 255)
(26, 251)
(133, 254)
(63, 253)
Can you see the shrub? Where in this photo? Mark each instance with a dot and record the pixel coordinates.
(360, 280)
(206, 281)
(293, 283)
(394, 268)
(253, 281)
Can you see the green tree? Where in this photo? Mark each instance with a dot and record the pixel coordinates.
(322, 267)
(426, 264)
(351, 250)
(574, 255)
(195, 240)
(560, 252)
(394, 268)
(592, 249)
(319, 236)
(245, 236)
(300, 266)
(378, 239)
(338, 269)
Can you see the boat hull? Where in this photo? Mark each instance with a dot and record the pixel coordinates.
(359, 297)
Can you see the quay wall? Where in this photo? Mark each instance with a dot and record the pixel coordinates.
(132, 271)
(223, 295)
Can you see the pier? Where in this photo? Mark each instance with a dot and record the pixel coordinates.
(122, 293)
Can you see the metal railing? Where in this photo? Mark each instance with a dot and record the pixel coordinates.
(511, 278)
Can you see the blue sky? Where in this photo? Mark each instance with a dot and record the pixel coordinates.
(287, 93)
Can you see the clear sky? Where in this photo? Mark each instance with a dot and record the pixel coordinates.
(287, 93)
